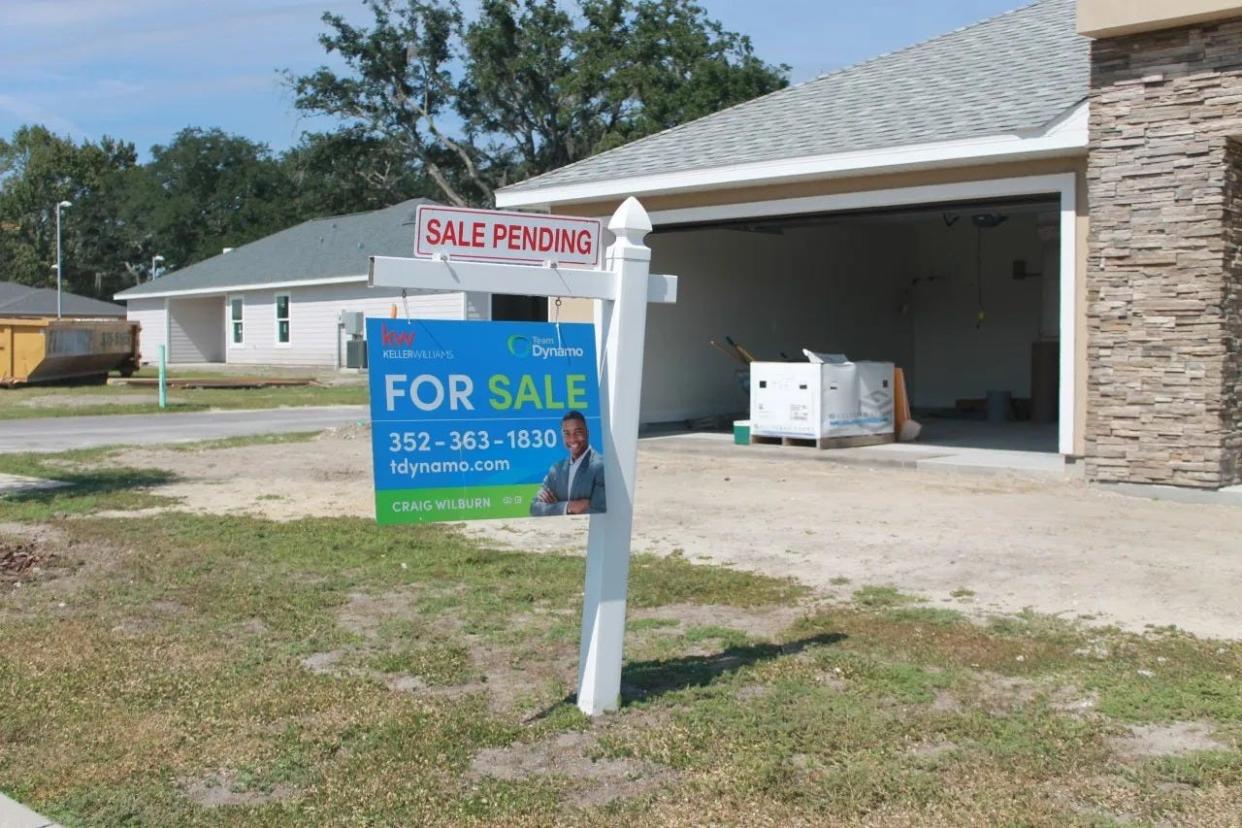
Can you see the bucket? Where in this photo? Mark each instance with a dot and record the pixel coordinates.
(741, 432)
(999, 405)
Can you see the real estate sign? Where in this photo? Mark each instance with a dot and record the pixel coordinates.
(475, 420)
(497, 236)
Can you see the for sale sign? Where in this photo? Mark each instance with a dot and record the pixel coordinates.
(497, 236)
(475, 420)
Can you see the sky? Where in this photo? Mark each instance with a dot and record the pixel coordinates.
(140, 70)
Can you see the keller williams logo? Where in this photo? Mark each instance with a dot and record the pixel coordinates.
(399, 338)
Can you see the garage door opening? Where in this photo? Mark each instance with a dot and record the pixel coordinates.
(964, 296)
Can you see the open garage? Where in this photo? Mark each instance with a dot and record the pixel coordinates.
(964, 296)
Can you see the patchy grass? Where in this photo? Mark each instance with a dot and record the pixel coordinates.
(248, 440)
(212, 671)
(84, 400)
(881, 596)
(91, 485)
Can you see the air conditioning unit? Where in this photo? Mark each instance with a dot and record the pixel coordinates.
(356, 354)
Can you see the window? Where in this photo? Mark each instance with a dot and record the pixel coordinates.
(235, 319)
(282, 319)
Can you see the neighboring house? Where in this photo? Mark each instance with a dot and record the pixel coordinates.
(278, 300)
(23, 300)
(1046, 204)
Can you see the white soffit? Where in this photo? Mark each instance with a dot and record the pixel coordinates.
(1064, 137)
(225, 289)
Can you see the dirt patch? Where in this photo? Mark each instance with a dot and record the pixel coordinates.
(1001, 695)
(933, 749)
(363, 613)
(596, 781)
(1175, 739)
(767, 623)
(29, 553)
(1014, 543)
(511, 681)
(222, 789)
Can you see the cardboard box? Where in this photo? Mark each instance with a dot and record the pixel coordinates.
(810, 401)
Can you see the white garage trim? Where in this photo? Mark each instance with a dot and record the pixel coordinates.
(1063, 185)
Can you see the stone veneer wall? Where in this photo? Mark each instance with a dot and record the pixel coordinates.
(1163, 278)
(1232, 461)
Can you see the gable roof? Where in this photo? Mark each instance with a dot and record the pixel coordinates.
(1016, 73)
(23, 300)
(313, 251)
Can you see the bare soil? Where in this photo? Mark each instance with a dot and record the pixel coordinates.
(597, 781)
(1001, 543)
(219, 789)
(1173, 739)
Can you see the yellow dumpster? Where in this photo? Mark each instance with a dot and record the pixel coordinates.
(46, 349)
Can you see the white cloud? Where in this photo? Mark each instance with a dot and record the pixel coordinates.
(29, 112)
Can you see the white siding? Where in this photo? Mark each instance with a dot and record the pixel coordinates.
(196, 329)
(313, 313)
(150, 314)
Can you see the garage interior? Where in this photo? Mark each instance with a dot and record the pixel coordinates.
(964, 297)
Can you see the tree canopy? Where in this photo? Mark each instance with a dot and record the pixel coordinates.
(429, 103)
(527, 86)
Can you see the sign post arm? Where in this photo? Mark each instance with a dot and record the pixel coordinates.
(620, 330)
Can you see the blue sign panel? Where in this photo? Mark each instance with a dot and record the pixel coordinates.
(475, 420)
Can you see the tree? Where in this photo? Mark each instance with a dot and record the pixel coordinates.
(39, 169)
(539, 87)
(349, 171)
(207, 190)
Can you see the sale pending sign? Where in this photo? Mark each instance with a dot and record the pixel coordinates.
(476, 420)
(498, 236)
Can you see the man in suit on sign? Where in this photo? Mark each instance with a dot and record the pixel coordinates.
(575, 485)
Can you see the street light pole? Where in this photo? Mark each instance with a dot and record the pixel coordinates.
(59, 268)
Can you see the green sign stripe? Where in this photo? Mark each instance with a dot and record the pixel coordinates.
(394, 506)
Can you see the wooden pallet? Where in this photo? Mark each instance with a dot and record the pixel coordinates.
(824, 442)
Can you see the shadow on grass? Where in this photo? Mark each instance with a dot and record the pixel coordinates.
(97, 483)
(645, 680)
(648, 679)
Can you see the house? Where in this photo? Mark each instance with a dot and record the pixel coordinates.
(278, 300)
(1045, 206)
(23, 300)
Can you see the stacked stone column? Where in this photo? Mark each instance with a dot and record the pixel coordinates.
(1164, 273)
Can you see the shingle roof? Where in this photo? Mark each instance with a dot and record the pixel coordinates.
(317, 249)
(1007, 74)
(23, 300)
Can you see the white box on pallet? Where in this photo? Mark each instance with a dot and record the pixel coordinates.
(810, 401)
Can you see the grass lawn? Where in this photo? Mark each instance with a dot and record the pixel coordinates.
(81, 400)
(193, 670)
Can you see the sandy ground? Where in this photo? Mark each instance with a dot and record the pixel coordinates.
(1052, 545)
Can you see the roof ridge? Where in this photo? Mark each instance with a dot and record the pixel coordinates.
(790, 88)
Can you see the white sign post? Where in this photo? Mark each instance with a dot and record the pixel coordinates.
(622, 290)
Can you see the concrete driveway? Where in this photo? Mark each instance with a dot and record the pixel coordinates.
(50, 434)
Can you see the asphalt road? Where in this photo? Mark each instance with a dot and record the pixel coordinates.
(47, 434)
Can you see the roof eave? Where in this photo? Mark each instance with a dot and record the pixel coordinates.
(1066, 137)
(221, 290)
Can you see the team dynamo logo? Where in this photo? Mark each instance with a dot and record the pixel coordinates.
(519, 346)
(540, 347)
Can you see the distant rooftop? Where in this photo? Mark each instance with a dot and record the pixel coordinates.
(313, 250)
(23, 300)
